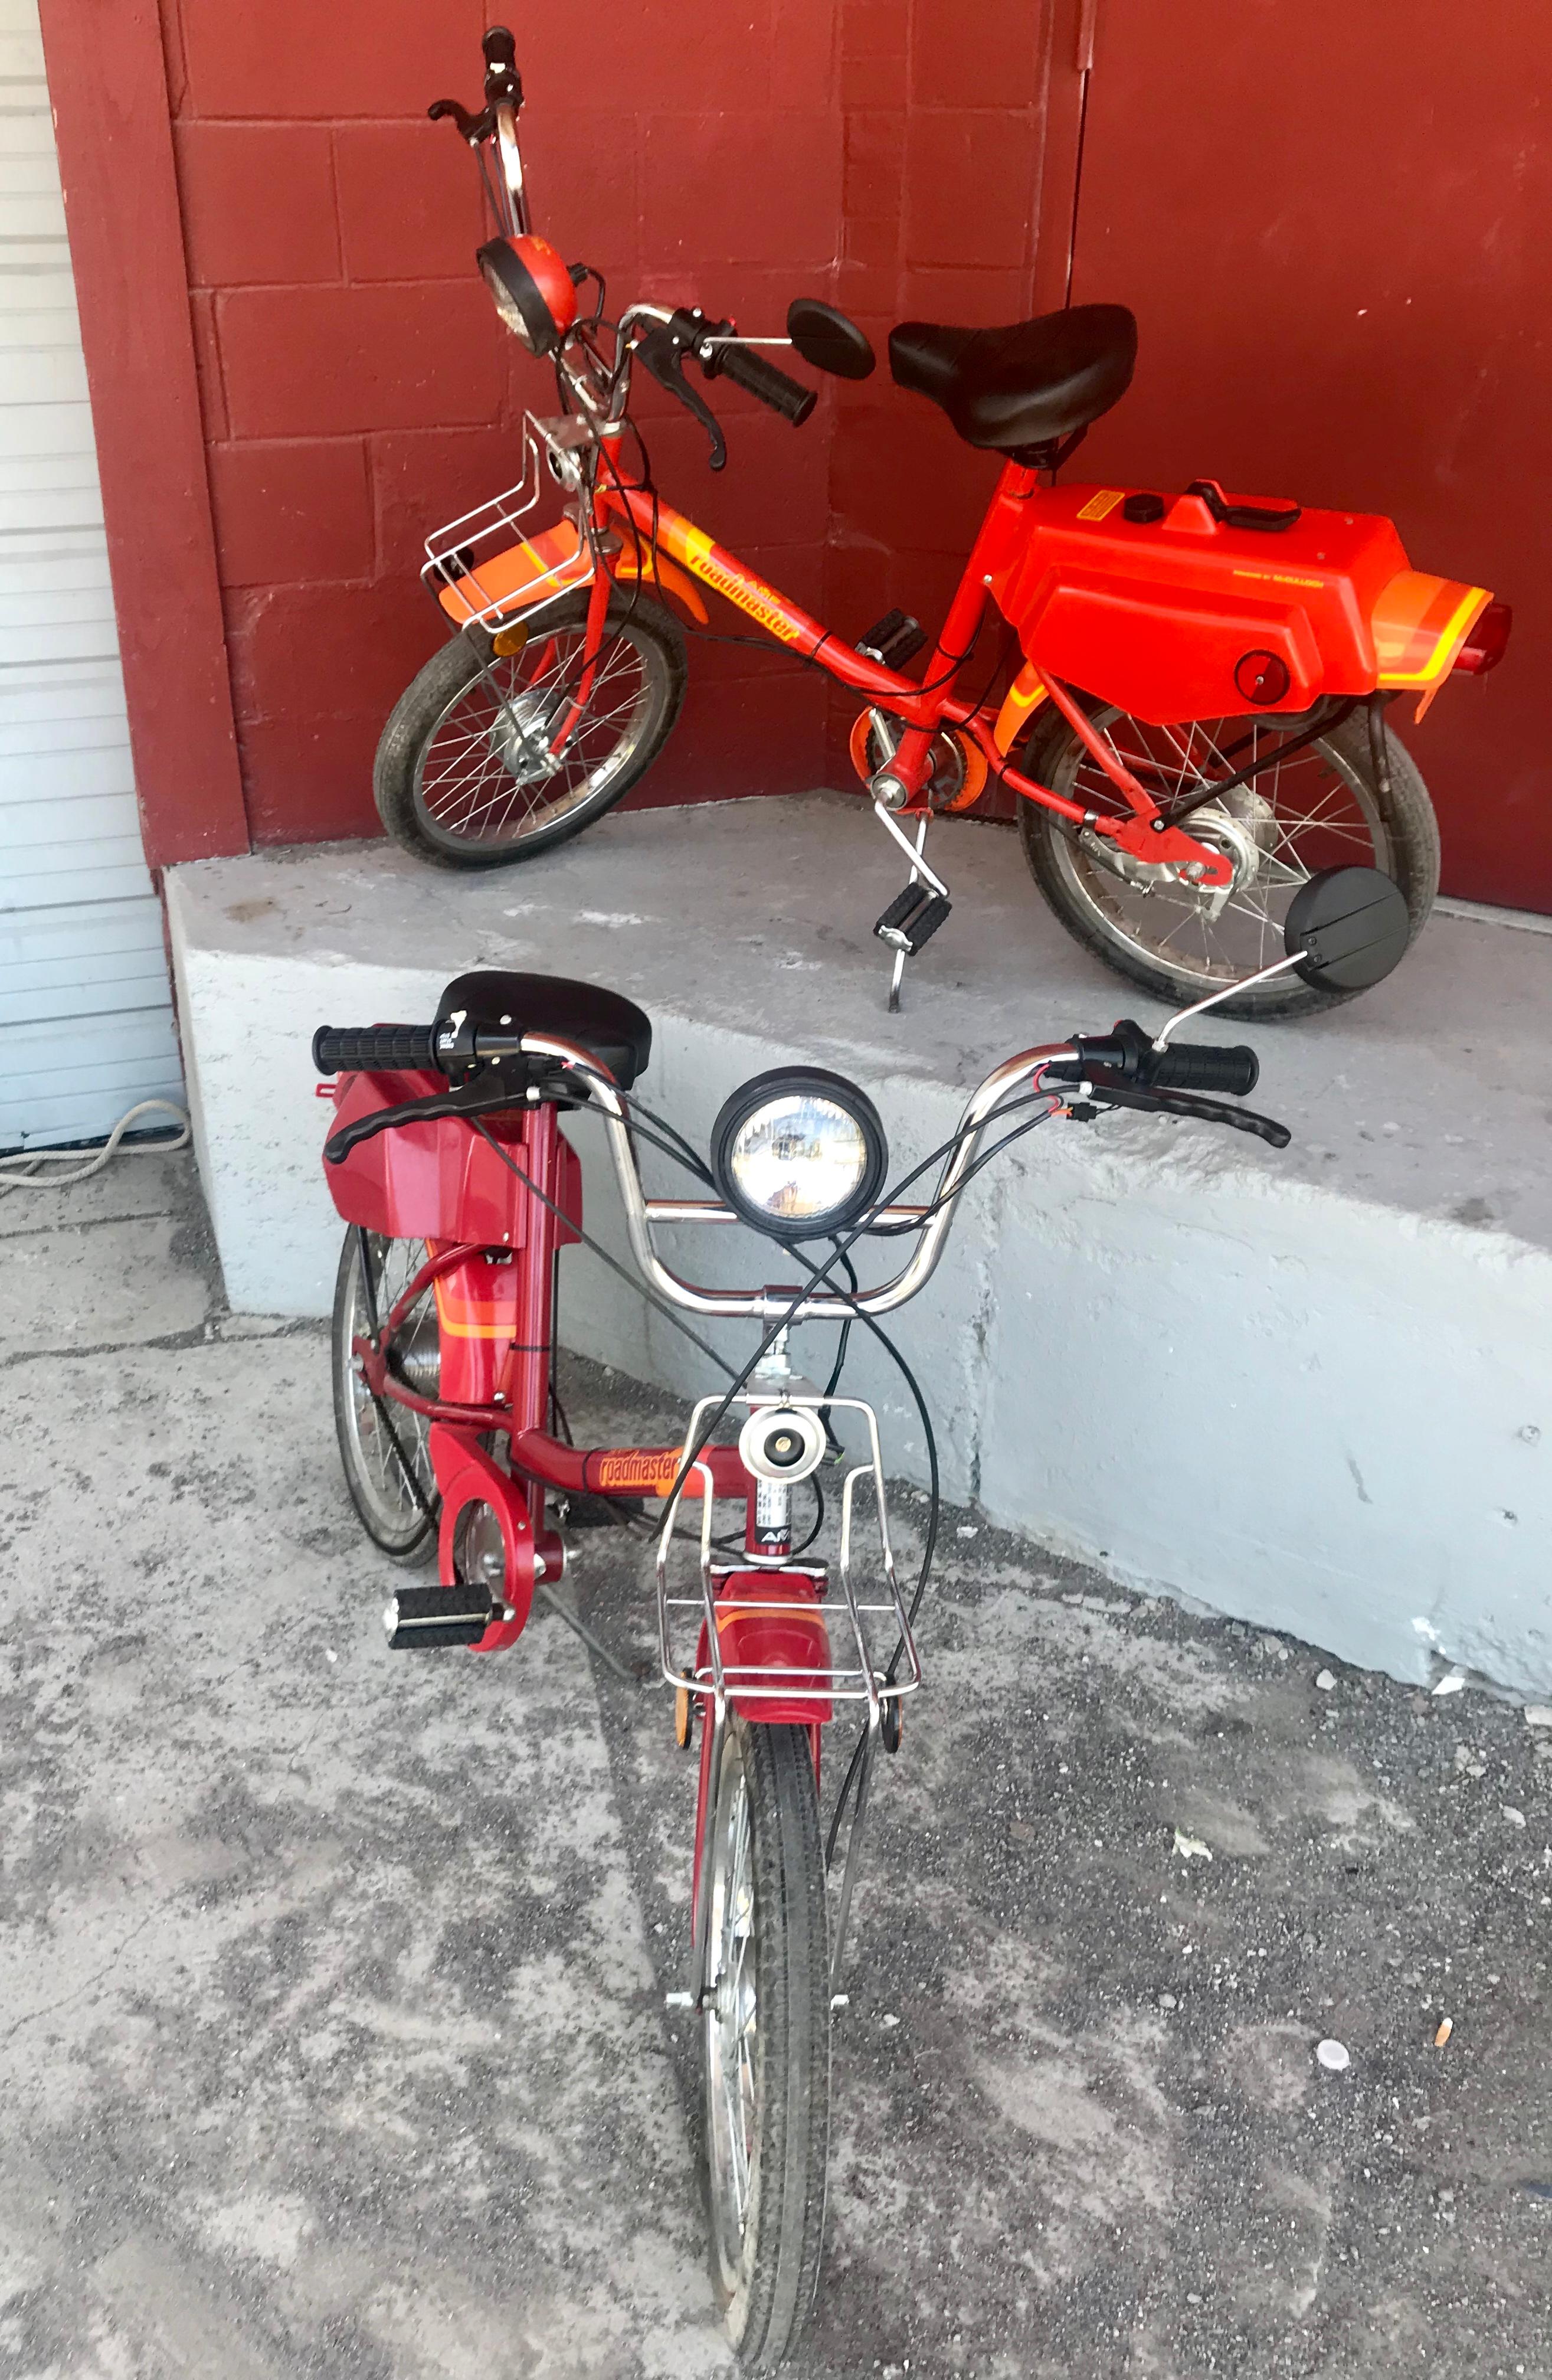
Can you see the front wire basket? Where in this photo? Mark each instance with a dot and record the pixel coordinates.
(479, 564)
(862, 1679)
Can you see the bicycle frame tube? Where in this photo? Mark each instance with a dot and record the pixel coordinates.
(927, 707)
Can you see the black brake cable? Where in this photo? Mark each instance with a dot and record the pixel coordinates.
(929, 1547)
(820, 1275)
(660, 1304)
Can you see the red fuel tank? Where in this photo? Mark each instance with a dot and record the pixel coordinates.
(1180, 613)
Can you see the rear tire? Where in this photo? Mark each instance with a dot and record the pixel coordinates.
(1359, 826)
(455, 781)
(766, 2040)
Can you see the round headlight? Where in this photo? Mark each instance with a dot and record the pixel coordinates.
(799, 1152)
(534, 294)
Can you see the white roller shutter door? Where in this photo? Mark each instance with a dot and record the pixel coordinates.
(86, 1021)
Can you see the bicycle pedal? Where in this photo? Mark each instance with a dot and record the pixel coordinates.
(912, 918)
(893, 640)
(421, 1618)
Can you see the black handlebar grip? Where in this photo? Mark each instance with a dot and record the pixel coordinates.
(374, 1049)
(1201, 1067)
(747, 369)
(500, 48)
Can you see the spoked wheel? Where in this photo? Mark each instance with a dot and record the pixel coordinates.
(384, 1448)
(465, 775)
(1319, 808)
(766, 2041)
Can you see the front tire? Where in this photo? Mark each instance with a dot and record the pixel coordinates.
(462, 776)
(766, 2039)
(383, 1448)
(1322, 808)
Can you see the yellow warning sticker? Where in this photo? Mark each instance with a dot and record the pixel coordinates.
(1103, 501)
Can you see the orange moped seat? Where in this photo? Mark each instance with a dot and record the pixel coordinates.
(1025, 386)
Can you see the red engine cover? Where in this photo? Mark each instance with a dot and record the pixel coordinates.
(440, 1180)
(1187, 618)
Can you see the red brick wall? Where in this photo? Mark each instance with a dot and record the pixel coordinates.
(945, 116)
(357, 389)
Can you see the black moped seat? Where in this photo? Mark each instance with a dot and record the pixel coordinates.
(1025, 386)
(610, 1028)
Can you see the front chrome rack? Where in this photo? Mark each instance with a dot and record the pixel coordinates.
(855, 1618)
(486, 562)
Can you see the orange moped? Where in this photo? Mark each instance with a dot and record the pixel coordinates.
(1195, 724)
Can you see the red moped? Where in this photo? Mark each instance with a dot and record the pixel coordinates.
(451, 1162)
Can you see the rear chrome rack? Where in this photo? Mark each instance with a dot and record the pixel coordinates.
(487, 562)
(855, 1617)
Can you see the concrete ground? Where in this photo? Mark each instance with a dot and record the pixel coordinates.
(332, 2028)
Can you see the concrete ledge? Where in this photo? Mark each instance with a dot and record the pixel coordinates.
(1311, 1388)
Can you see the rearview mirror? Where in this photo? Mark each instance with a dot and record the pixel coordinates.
(831, 342)
(1346, 929)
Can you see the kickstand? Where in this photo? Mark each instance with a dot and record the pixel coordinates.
(900, 956)
(579, 1627)
(913, 915)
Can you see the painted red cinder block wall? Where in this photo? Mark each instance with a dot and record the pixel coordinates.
(358, 390)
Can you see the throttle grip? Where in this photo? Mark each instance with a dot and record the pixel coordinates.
(374, 1049)
(1127, 1052)
(748, 369)
(1203, 1066)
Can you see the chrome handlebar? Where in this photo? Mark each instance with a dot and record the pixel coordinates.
(824, 1306)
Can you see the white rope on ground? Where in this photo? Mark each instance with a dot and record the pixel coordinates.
(32, 1179)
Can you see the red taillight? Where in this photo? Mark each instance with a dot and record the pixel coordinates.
(1483, 648)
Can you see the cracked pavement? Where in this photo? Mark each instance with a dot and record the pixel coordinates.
(332, 2024)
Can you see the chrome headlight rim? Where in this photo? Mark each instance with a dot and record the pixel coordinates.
(767, 1091)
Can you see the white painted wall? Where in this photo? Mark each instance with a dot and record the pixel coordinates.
(86, 1022)
(1312, 1389)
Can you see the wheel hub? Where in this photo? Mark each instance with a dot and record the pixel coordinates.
(520, 737)
(1242, 826)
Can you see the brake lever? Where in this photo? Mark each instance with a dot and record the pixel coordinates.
(473, 128)
(662, 348)
(482, 1096)
(1110, 1090)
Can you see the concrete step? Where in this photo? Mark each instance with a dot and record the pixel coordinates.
(1312, 1389)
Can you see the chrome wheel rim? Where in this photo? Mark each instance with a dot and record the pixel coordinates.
(1297, 817)
(484, 774)
(391, 1506)
(731, 2020)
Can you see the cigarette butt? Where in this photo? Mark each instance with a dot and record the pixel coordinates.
(1442, 2036)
